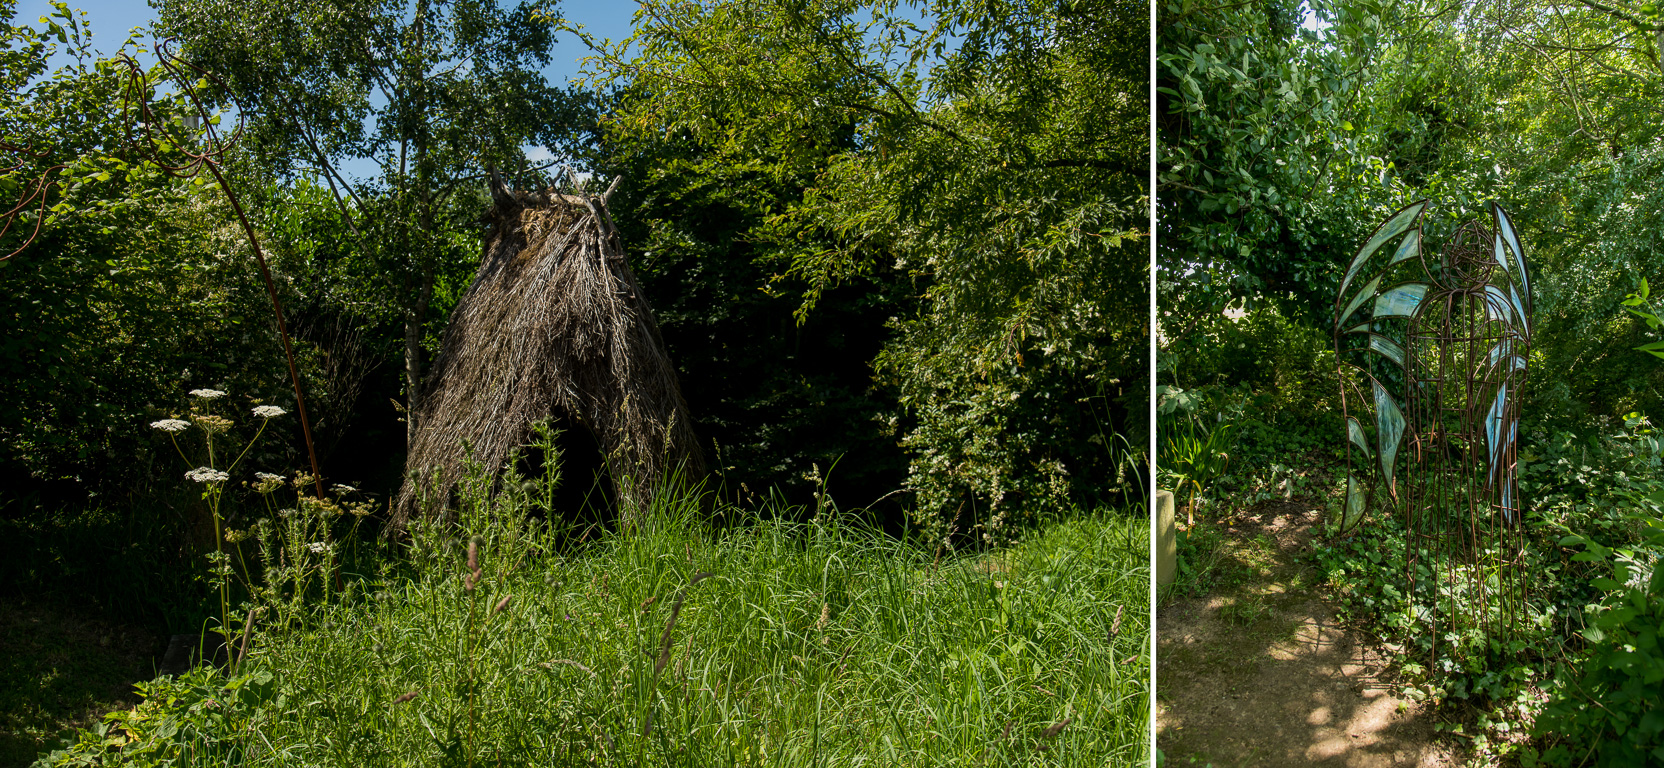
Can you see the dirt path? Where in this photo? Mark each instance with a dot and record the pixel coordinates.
(1258, 673)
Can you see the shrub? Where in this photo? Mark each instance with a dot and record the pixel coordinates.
(199, 718)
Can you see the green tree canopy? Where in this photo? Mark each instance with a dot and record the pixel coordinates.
(431, 93)
(992, 156)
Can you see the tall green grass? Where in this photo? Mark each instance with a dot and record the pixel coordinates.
(809, 643)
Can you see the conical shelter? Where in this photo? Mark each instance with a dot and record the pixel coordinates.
(554, 324)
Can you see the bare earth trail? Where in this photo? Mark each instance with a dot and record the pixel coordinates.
(1259, 673)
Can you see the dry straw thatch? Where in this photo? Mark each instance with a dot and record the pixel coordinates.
(554, 324)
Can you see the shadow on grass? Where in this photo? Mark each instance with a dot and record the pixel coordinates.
(63, 668)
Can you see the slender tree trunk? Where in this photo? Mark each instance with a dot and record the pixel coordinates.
(415, 64)
(413, 320)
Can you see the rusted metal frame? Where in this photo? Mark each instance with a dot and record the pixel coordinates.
(1465, 332)
(1463, 346)
(41, 185)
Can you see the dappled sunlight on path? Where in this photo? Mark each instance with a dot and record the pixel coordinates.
(1260, 674)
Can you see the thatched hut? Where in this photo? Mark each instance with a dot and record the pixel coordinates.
(554, 324)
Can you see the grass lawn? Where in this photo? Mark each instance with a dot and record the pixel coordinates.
(807, 644)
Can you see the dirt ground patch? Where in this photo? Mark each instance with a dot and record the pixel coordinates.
(1259, 673)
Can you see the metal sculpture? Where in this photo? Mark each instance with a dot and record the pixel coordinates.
(1432, 354)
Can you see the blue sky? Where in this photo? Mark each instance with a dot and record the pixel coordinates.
(1310, 20)
(113, 19)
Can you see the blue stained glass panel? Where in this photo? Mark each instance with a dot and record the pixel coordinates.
(1387, 347)
(1354, 502)
(1401, 300)
(1394, 227)
(1504, 348)
(1408, 247)
(1506, 227)
(1389, 429)
(1355, 431)
(1364, 295)
(1498, 307)
(1493, 425)
(1514, 299)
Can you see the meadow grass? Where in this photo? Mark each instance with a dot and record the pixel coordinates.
(808, 643)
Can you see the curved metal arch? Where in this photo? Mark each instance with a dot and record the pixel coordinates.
(1431, 351)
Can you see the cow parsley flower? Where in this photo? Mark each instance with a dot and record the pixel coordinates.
(266, 482)
(318, 547)
(207, 394)
(207, 475)
(268, 411)
(170, 425)
(210, 423)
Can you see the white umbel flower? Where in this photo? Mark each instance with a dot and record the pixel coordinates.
(268, 411)
(318, 547)
(170, 425)
(207, 394)
(207, 475)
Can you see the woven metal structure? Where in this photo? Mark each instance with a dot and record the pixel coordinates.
(1432, 354)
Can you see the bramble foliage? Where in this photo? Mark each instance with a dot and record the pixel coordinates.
(137, 287)
(1613, 698)
(773, 396)
(1254, 115)
(202, 717)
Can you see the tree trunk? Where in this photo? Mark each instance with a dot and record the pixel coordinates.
(413, 350)
(417, 312)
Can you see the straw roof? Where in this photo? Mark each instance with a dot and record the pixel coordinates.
(554, 324)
